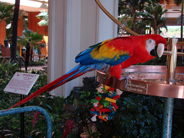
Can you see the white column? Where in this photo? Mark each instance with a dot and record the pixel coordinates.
(106, 27)
(56, 40)
(74, 25)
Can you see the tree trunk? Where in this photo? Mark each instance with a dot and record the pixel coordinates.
(155, 23)
(155, 27)
(133, 20)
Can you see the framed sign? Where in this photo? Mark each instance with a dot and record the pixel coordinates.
(21, 83)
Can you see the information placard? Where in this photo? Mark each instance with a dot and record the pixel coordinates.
(21, 83)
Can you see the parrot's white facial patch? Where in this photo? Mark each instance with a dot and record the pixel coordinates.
(153, 49)
(150, 45)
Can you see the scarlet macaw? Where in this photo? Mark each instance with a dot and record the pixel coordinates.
(111, 55)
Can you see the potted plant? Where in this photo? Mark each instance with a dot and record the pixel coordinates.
(30, 40)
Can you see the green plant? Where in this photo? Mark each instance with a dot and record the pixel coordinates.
(144, 14)
(152, 16)
(43, 16)
(33, 38)
(30, 40)
(10, 125)
(130, 10)
(36, 63)
(6, 12)
(7, 70)
(140, 115)
(90, 131)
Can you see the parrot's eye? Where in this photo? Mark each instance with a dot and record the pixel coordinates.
(151, 41)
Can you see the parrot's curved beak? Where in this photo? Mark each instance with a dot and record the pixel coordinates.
(158, 50)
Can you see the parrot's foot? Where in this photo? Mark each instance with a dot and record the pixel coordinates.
(125, 78)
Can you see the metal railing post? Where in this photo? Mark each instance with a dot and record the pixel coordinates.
(29, 109)
(170, 78)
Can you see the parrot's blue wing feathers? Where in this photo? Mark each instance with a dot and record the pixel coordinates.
(85, 55)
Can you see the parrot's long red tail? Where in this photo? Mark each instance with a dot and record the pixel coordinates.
(52, 85)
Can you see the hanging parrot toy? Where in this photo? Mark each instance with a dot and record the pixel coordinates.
(109, 56)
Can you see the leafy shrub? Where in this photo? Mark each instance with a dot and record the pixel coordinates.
(36, 63)
(12, 128)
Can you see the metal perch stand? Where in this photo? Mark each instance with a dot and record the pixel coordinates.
(164, 81)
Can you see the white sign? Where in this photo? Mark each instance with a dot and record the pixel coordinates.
(21, 83)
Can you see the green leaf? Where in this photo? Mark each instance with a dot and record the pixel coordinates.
(94, 101)
(8, 8)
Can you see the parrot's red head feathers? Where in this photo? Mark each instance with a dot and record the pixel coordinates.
(158, 39)
(146, 47)
(155, 44)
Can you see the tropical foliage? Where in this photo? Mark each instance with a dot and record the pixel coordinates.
(144, 14)
(33, 38)
(6, 12)
(30, 40)
(152, 16)
(129, 9)
(43, 16)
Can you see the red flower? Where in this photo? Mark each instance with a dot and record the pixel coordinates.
(69, 126)
(35, 118)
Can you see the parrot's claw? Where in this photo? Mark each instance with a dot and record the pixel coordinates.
(125, 78)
